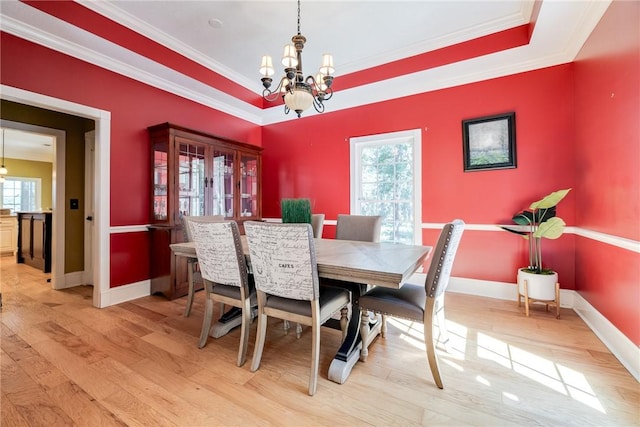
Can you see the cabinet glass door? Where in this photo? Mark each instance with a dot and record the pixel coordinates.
(223, 184)
(191, 179)
(249, 170)
(160, 181)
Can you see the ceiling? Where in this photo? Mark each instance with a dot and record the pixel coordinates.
(20, 144)
(209, 51)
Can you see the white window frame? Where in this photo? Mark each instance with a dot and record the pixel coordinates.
(414, 137)
(38, 195)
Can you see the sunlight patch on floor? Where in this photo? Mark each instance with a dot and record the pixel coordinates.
(561, 379)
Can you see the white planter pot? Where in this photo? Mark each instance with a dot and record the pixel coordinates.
(539, 286)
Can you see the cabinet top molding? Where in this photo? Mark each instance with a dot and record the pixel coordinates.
(178, 130)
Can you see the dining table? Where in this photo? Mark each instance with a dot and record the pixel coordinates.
(355, 266)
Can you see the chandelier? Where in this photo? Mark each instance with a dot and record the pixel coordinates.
(298, 92)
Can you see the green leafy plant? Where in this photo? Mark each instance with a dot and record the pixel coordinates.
(296, 210)
(540, 222)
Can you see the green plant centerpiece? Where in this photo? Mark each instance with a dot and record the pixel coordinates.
(296, 210)
(535, 282)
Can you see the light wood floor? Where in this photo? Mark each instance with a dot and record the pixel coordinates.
(67, 363)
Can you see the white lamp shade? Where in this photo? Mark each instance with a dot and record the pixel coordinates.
(320, 82)
(3, 170)
(327, 64)
(266, 66)
(289, 57)
(299, 100)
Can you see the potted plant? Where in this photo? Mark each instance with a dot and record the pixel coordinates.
(296, 210)
(539, 222)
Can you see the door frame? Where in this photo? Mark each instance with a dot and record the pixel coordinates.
(58, 199)
(89, 209)
(102, 196)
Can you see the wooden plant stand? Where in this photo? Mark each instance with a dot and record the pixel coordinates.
(528, 300)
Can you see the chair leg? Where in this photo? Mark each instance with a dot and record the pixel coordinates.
(298, 330)
(244, 332)
(206, 322)
(430, 344)
(190, 267)
(315, 350)
(286, 326)
(383, 330)
(443, 333)
(260, 337)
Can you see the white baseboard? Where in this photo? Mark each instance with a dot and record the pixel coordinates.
(622, 347)
(125, 293)
(69, 280)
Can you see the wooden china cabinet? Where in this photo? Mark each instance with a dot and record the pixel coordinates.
(196, 174)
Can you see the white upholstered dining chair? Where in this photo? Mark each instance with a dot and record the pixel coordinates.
(224, 272)
(283, 261)
(420, 302)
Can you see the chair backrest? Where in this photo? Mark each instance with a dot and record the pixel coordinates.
(364, 228)
(283, 259)
(187, 219)
(219, 252)
(317, 223)
(443, 256)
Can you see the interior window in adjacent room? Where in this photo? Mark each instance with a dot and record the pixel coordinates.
(20, 194)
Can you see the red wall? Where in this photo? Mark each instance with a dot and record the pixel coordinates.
(607, 129)
(310, 158)
(133, 106)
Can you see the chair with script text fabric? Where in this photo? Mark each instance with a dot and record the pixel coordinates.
(192, 263)
(283, 261)
(224, 272)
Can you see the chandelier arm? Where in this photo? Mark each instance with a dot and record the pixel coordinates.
(318, 105)
(272, 95)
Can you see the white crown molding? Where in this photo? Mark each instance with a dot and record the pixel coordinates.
(553, 43)
(111, 11)
(81, 44)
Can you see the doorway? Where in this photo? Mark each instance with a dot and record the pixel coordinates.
(100, 256)
(57, 191)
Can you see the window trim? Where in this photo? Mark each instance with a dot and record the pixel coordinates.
(413, 136)
(38, 195)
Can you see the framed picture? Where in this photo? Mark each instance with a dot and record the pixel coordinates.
(489, 142)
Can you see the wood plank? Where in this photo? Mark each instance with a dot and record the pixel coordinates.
(67, 363)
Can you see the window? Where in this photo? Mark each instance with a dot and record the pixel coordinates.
(21, 194)
(386, 180)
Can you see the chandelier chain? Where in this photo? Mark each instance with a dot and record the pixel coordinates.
(298, 16)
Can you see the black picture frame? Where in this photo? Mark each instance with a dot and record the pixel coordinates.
(489, 142)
